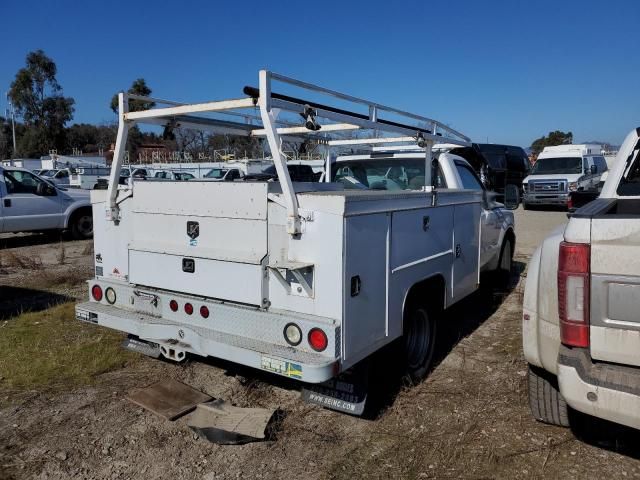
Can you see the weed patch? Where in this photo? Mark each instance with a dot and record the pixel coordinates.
(52, 348)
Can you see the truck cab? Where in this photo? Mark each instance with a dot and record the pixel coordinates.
(561, 170)
(581, 327)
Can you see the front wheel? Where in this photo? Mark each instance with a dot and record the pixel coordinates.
(82, 226)
(418, 341)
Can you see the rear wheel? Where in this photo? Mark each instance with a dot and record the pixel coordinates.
(546, 402)
(418, 341)
(82, 225)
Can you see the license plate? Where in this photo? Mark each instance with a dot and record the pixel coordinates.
(86, 316)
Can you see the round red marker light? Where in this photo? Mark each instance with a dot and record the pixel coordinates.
(96, 293)
(188, 308)
(173, 305)
(204, 312)
(317, 339)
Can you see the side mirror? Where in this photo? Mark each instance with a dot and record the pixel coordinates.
(45, 190)
(594, 169)
(511, 196)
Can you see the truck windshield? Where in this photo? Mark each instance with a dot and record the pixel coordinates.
(557, 165)
(382, 174)
(216, 173)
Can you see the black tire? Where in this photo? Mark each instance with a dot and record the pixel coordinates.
(546, 401)
(525, 205)
(418, 341)
(81, 225)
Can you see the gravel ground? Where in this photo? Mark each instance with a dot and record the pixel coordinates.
(468, 419)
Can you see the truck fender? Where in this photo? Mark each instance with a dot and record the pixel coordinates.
(72, 209)
(530, 312)
(425, 289)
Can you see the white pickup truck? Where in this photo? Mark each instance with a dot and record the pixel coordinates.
(581, 312)
(301, 279)
(32, 204)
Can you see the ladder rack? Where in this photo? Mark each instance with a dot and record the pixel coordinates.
(261, 114)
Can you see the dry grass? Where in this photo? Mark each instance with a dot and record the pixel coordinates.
(61, 256)
(52, 348)
(17, 260)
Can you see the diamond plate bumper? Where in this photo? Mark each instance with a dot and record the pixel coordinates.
(175, 336)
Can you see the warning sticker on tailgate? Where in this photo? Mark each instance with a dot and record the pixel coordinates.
(282, 367)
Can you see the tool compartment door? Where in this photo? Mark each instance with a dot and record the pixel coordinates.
(198, 237)
(365, 274)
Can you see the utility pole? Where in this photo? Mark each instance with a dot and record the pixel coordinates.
(13, 123)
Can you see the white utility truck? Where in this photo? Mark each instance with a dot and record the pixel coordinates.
(302, 279)
(561, 170)
(581, 312)
(32, 204)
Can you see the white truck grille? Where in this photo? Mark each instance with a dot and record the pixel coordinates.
(548, 186)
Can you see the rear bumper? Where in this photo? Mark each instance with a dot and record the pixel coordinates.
(546, 198)
(602, 390)
(246, 336)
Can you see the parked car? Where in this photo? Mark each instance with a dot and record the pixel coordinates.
(173, 175)
(33, 204)
(563, 169)
(580, 324)
(224, 174)
(128, 174)
(498, 165)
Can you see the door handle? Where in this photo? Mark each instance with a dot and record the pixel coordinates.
(7, 202)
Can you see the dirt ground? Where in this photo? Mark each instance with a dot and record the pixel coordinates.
(468, 419)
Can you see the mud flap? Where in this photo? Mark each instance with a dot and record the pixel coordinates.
(140, 346)
(346, 393)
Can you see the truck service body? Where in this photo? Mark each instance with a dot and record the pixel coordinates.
(301, 279)
(581, 327)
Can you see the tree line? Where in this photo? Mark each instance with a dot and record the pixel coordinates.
(43, 114)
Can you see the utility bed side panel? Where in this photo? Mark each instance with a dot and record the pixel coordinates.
(615, 289)
(320, 246)
(365, 275)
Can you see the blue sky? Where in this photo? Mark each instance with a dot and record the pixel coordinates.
(506, 71)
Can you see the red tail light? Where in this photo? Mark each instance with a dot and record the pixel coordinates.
(188, 308)
(573, 293)
(173, 305)
(318, 339)
(204, 311)
(96, 293)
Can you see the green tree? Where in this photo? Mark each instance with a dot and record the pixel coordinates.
(37, 98)
(138, 87)
(554, 138)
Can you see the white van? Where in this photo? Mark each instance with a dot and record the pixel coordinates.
(561, 170)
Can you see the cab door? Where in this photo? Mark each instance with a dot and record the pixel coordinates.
(467, 236)
(27, 206)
